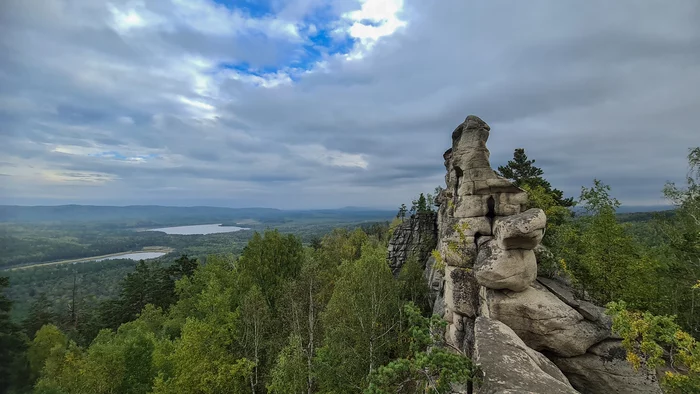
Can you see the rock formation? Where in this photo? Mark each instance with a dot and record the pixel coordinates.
(527, 334)
(416, 238)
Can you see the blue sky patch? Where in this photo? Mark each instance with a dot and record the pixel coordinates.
(318, 46)
(253, 8)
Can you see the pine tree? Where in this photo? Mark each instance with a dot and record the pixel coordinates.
(431, 368)
(522, 172)
(40, 314)
(422, 204)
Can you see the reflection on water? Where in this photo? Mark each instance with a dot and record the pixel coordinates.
(199, 229)
(134, 256)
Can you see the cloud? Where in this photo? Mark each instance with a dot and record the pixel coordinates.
(324, 156)
(310, 103)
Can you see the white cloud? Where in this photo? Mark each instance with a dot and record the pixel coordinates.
(125, 120)
(215, 19)
(269, 80)
(199, 109)
(384, 18)
(76, 150)
(78, 177)
(100, 87)
(134, 16)
(328, 157)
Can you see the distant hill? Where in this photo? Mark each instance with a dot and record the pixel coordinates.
(156, 214)
(644, 208)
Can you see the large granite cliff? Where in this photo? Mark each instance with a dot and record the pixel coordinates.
(527, 334)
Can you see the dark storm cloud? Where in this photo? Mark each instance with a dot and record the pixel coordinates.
(598, 89)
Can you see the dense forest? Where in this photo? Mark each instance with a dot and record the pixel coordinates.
(328, 316)
(281, 318)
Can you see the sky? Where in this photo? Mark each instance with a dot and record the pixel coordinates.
(331, 103)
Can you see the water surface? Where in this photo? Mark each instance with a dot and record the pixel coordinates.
(199, 229)
(134, 256)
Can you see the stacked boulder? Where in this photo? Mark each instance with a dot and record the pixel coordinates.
(528, 334)
(485, 240)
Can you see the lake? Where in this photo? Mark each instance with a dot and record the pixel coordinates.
(199, 229)
(134, 256)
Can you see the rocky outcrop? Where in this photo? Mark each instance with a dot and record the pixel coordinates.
(604, 369)
(510, 366)
(486, 238)
(415, 237)
(486, 287)
(544, 322)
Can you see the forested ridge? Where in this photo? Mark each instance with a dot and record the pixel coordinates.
(329, 319)
(328, 316)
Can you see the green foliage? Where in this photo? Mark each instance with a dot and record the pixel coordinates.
(361, 323)
(289, 376)
(647, 337)
(412, 284)
(267, 261)
(680, 246)
(254, 329)
(40, 314)
(115, 362)
(307, 298)
(522, 171)
(49, 340)
(402, 212)
(430, 367)
(604, 260)
(202, 360)
(425, 203)
(12, 344)
(539, 197)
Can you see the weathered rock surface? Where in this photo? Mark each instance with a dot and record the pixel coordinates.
(487, 290)
(416, 236)
(544, 322)
(522, 231)
(512, 269)
(462, 291)
(588, 310)
(603, 369)
(509, 366)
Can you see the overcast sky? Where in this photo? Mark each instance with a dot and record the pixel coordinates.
(330, 103)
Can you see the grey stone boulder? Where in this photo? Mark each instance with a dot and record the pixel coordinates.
(510, 366)
(513, 269)
(522, 231)
(604, 369)
(544, 322)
